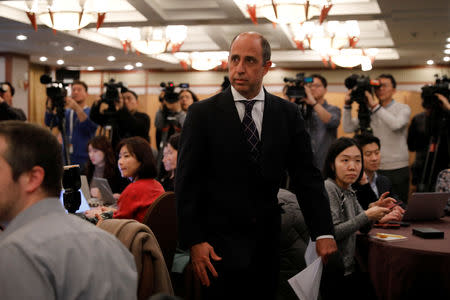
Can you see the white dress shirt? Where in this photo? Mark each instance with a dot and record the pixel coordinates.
(258, 107)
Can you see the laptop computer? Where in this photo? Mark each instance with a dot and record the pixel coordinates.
(105, 190)
(426, 206)
(85, 196)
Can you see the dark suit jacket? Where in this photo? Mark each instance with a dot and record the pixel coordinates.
(223, 198)
(366, 195)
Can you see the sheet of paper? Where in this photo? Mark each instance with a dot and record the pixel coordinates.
(310, 253)
(306, 284)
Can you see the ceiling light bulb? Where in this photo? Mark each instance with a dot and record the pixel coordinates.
(138, 64)
(21, 37)
(111, 58)
(128, 67)
(68, 48)
(43, 58)
(447, 51)
(60, 62)
(90, 68)
(430, 62)
(447, 46)
(446, 58)
(448, 39)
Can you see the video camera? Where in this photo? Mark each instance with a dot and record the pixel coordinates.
(56, 91)
(296, 89)
(359, 84)
(169, 91)
(71, 182)
(362, 84)
(441, 86)
(111, 95)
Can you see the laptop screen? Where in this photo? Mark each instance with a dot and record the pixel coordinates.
(83, 206)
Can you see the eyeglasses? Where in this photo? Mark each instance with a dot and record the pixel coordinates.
(316, 85)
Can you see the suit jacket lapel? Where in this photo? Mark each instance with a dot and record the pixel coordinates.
(230, 116)
(268, 126)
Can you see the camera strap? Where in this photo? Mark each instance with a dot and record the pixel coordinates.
(70, 130)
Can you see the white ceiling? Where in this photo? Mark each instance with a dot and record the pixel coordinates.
(408, 33)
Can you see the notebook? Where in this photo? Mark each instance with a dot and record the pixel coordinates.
(105, 190)
(426, 206)
(85, 195)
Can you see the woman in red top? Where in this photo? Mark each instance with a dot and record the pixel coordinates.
(136, 162)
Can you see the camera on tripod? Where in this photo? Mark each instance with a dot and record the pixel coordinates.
(56, 91)
(169, 90)
(111, 95)
(296, 88)
(359, 84)
(440, 86)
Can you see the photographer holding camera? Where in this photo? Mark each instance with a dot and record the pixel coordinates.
(389, 122)
(79, 127)
(7, 112)
(324, 119)
(428, 136)
(120, 111)
(170, 117)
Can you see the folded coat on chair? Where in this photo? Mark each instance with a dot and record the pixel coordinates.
(140, 240)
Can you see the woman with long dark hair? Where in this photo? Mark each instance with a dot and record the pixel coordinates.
(102, 164)
(136, 162)
(343, 167)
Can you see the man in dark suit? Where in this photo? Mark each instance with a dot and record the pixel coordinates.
(234, 150)
(373, 185)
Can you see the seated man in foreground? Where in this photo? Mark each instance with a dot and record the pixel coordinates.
(372, 185)
(44, 252)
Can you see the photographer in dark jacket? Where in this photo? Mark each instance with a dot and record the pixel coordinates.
(124, 118)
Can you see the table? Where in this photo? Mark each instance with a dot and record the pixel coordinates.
(414, 268)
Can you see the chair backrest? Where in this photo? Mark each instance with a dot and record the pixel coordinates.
(161, 217)
(150, 264)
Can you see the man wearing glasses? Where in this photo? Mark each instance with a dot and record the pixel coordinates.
(323, 120)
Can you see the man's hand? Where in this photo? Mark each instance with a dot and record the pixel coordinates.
(444, 101)
(309, 97)
(1, 100)
(200, 257)
(325, 247)
(70, 103)
(385, 201)
(348, 98)
(371, 102)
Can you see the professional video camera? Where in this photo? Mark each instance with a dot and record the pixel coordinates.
(359, 84)
(57, 92)
(169, 91)
(441, 86)
(437, 128)
(296, 89)
(111, 95)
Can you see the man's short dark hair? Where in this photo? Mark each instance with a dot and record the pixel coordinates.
(79, 82)
(141, 150)
(321, 78)
(366, 139)
(30, 145)
(11, 88)
(390, 77)
(266, 50)
(335, 149)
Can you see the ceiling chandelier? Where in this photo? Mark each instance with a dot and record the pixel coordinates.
(326, 36)
(203, 61)
(350, 58)
(157, 39)
(67, 14)
(287, 11)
